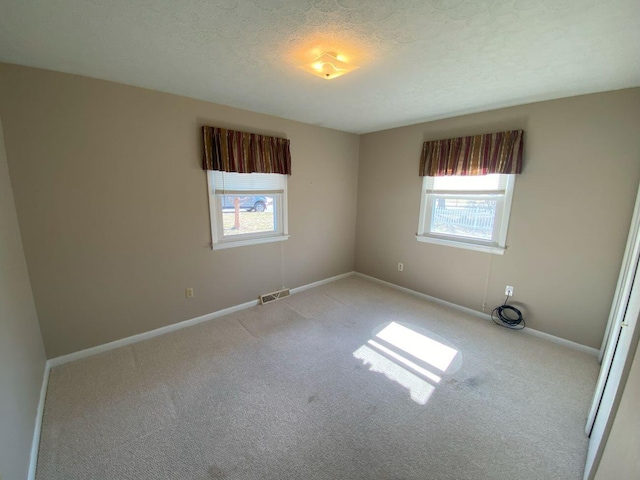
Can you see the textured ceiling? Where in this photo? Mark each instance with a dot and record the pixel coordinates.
(419, 60)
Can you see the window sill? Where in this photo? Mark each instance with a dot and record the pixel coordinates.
(248, 241)
(461, 244)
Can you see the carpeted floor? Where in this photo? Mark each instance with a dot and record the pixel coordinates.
(350, 380)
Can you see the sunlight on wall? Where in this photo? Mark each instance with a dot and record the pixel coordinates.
(388, 352)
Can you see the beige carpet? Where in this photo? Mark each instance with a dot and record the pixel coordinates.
(351, 380)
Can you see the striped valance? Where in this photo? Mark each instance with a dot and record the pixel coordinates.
(476, 155)
(242, 152)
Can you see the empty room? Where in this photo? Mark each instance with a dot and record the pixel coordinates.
(319, 239)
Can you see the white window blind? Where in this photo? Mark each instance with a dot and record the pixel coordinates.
(494, 183)
(241, 183)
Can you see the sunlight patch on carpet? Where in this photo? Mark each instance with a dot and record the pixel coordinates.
(406, 357)
(416, 368)
(418, 345)
(420, 390)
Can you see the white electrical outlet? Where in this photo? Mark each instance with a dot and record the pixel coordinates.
(508, 291)
(189, 292)
(401, 267)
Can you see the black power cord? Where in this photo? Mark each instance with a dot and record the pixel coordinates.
(507, 316)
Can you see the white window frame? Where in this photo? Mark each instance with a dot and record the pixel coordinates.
(219, 241)
(496, 245)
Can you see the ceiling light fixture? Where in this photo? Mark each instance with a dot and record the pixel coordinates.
(329, 65)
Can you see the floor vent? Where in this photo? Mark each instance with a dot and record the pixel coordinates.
(273, 296)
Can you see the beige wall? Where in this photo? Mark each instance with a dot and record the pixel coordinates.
(22, 357)
(569, 220)
(113, 207)
(621, 458)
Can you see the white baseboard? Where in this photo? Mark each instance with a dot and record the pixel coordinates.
(562, 341)
(321, 282)
(105, 347)
(485, 316)
(210, 316)
(88, 352)
(194, 321)
(54, 362)
(35, 443)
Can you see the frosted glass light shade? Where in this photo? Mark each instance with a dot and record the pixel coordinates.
(328, 66)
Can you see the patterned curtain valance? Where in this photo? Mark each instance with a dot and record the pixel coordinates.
(476, 155)
(242, 152)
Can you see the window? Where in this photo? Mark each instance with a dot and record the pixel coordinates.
(247, 208)
(466, 211)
